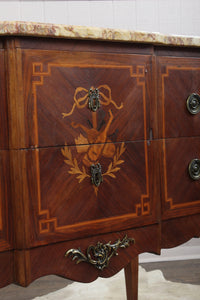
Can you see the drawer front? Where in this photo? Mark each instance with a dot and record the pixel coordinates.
(56, 94)
(179, 79)
(63, 202)
(86, 120)
(181, 191)
(113, 252)
(3, 110)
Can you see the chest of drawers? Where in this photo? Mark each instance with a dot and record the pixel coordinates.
(99, 155)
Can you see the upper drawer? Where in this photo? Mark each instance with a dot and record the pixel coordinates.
(56, 88)
(178, 78)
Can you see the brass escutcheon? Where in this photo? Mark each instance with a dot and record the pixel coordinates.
(93, 101)
(194, 169)
(193, 104)
(96, 176)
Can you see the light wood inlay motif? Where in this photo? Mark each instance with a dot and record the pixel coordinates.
(141, 209)
(96, 142)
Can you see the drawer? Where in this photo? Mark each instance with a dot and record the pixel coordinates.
(178, 81)
(61, 202)
(50, 259)
(181, 191)
(57, 86)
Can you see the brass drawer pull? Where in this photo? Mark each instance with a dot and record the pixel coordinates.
(194, 169)
(96, 176)
(193, 104)
(99, 255)
(93, 99)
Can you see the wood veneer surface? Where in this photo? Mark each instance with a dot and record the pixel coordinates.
(146, 137)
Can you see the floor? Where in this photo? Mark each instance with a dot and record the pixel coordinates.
(177, 271)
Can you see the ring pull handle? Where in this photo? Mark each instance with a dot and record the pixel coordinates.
(96, 176)
(193, 104)
(194, 169)
(93, 99)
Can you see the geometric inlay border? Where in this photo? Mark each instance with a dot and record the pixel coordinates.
(141, 209)
(168, 199)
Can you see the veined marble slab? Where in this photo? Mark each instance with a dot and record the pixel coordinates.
(82, 32)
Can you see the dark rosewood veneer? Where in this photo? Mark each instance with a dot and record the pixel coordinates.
(100, 156)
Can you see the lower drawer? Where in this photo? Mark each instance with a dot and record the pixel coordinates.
(181, 192)
(58, 203)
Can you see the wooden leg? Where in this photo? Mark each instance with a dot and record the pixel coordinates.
(131, 276)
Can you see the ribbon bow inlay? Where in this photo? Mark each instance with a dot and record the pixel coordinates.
(81, 98)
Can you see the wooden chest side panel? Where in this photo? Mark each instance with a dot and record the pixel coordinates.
(5, 203)
(7, 268)
(3, 110)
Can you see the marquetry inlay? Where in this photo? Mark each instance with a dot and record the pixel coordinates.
(106, 147)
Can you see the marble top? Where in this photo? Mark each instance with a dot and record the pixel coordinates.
(82, 32)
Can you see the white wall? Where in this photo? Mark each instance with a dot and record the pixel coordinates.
(165, 16)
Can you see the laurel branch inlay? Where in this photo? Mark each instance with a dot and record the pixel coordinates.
(81, 173)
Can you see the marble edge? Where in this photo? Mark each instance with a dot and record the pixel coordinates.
(94, 33)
